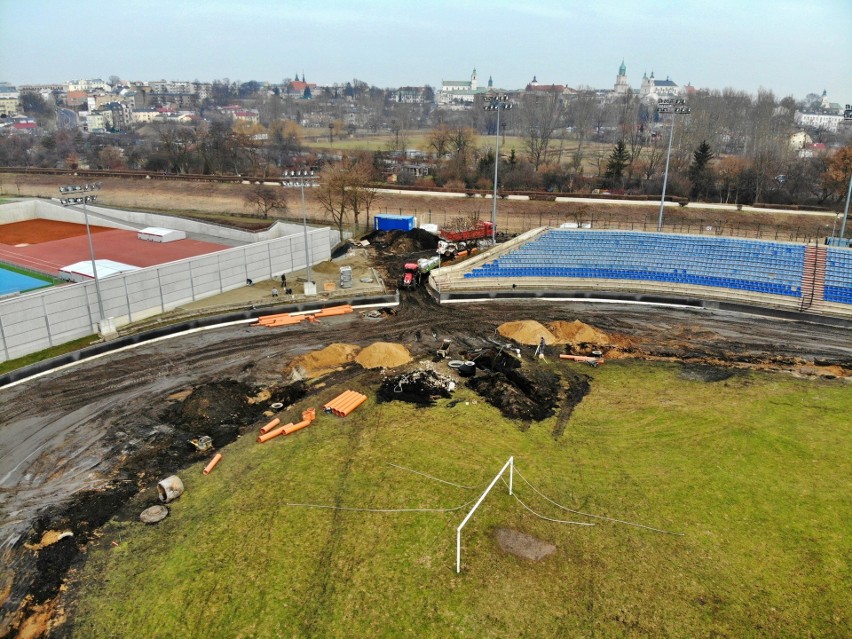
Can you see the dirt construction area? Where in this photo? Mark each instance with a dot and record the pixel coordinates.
(82, 445)
(78, 443)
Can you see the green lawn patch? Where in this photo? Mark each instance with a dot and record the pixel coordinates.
(753, 470)
(32, 358)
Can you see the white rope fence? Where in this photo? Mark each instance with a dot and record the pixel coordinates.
(578, 512)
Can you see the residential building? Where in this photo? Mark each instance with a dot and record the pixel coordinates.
(87, 85)
(10, 100)
(825, 121)
(535, 87)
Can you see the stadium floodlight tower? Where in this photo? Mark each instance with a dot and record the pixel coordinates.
(299, 180)
(497, 102)
(847, 116)
(81, 194)
(675, 106)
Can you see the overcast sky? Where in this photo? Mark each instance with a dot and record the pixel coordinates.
(789, 46)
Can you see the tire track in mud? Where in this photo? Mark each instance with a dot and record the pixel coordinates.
(322, 576)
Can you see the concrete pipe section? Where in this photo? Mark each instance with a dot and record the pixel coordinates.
(170, 489)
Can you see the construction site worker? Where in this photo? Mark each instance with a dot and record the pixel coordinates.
(274, 292)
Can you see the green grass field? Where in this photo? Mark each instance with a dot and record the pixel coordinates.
(754, 471)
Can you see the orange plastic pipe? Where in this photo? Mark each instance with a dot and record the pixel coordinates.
(337, 408)
(354, 406)
(334, 310)
(216, 459)
(328, 405)
(292, 428)
(345, 408)
(344, 395)
(284, 321)
(309, 414)
(580, 358)
(270, 426)
(272, 434)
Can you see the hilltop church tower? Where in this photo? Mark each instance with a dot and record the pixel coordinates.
(621, 86)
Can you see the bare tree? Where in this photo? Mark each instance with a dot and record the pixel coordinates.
(544, 115)
(266, 198)
(332, 194)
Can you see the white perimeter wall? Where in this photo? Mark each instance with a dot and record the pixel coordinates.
(45, 318)
(20, 211)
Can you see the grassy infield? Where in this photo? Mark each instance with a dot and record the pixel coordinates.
(755, 471)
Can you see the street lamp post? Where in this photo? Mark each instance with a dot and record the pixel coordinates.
(86, 199)
(496, 103)
(676, 106)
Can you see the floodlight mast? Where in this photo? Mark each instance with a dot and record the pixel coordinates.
(94, 186)
(675, 106)
(496, 103)
(511, 466)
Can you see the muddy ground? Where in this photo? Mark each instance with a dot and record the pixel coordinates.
(76, 444)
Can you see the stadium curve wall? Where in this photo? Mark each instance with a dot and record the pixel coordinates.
(31, 209)
(49, 317)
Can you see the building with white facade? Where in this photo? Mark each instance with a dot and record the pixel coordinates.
(461, 92)
(653, 89)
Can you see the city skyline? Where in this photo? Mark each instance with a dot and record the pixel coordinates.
(790, 48)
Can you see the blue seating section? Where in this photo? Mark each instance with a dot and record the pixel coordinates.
(838, 275)
(749, 265)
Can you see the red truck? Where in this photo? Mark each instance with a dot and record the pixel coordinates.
(481, 231)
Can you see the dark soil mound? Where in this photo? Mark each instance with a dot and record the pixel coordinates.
(519, 394)
(217, 409)
(421, 387)
(704, 373)
(401, 242)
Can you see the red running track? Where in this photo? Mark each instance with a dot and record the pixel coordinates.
(116, 245)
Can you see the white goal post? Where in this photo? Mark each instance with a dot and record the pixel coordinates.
(511, 466)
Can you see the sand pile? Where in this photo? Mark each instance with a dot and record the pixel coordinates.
(323, 361)
(526, 332)
(577, 332)
(383, 355)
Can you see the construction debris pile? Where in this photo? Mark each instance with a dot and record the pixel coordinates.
(420, 387)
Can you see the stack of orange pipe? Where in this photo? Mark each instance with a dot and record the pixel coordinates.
(345, 403)
(288, 319)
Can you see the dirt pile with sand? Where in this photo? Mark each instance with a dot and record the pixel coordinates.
(325, 360)
(383, 355)
(577, 332)
(526, 332)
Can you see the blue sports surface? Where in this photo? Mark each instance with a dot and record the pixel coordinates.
(11, 282)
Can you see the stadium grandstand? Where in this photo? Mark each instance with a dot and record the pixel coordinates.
(785, 275)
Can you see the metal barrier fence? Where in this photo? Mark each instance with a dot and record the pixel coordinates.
(49, 317)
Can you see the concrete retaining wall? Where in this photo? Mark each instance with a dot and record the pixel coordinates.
(45, 318)
(20, 211)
